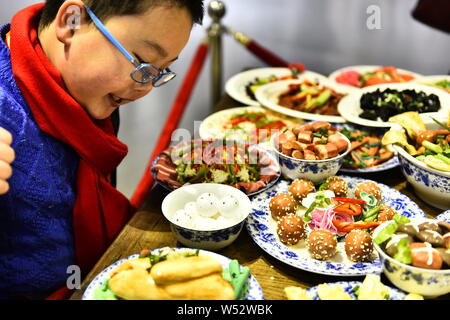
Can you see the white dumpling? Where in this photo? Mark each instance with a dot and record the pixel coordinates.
(207, 224)
(191, 208)
(207, 205)
(229, 207)
(223, 222)
(184, 219)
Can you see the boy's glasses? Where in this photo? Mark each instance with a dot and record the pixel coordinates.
(143, 72)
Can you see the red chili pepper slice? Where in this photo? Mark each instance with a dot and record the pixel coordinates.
(361, 225)
(343, 226)
(349, 208)
(352, 200)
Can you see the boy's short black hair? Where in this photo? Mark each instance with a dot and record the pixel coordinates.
(105, 9)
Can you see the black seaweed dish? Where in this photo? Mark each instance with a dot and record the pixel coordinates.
(387, 103)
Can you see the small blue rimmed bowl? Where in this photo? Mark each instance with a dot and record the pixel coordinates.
(212, 238)
(316, 171)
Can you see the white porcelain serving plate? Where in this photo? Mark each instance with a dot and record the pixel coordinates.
(349, 106)
(235, 86)
(268, 95)
(366, 68)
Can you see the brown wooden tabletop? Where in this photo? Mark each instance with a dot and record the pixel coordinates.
(148, 229)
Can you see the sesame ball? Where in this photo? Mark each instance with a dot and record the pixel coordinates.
(322, 244)
(386, 213)
(281, 205)
(300, 188)
(370, 188)
(358, 246)
(291, 229)
(338, 185)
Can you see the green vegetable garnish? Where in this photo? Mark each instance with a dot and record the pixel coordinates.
(431, 146)
(441, 124)
(401, 220)
(372, 214)
(389, 230)
(370, 200)
(356, 289)
(237, 276)
(443, 158)
(104, 292)
(360, 159)
(403, 254)
(324, 185)
(386, 233)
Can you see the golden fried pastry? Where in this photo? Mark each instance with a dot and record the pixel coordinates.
(178, 278)
(183, 269)
(136, 284)
(212, 287)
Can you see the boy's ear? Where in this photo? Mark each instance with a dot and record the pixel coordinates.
(70, 17)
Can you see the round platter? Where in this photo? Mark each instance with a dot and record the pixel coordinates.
(254, 293)
(262, 228)
(350, 109)
(268, 96)
(235, 87)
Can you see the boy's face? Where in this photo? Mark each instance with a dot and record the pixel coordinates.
(97, 74)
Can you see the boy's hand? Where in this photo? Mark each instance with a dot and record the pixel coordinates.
(7, 156)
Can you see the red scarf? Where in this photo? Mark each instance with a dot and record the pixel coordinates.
(100, 211)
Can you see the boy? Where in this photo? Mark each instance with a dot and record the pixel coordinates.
(65, 68)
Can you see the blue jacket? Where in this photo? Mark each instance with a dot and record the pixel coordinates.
(36, 236)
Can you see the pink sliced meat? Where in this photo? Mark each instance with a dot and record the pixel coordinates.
(250, 187)
(297, 154)
(305, 136)
(302, 127)
(316, 126)
(326, 151)
(340, 142)
(309, 155)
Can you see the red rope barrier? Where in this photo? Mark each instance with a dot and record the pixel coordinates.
(265, 55)
(173, 119)
(254, 47)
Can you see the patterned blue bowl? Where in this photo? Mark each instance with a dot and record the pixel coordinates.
(426, 282)
(213, 239)
(431, 185)
(316, 171)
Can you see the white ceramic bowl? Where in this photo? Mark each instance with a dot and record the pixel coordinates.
(316, 171)
(431, 185)
(206, 239)
(426, 282)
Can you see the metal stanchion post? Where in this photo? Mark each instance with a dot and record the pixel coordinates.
(216, 11)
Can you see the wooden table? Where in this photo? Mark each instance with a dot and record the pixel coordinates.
(148, 229)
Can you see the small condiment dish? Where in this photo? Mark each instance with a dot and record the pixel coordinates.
(209, 234)
(316, 171)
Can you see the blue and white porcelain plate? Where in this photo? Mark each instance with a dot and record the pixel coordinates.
(390, 164)
(274, 165)
(254, 289)
(350, 286)
(444, 216)
(262, 228)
